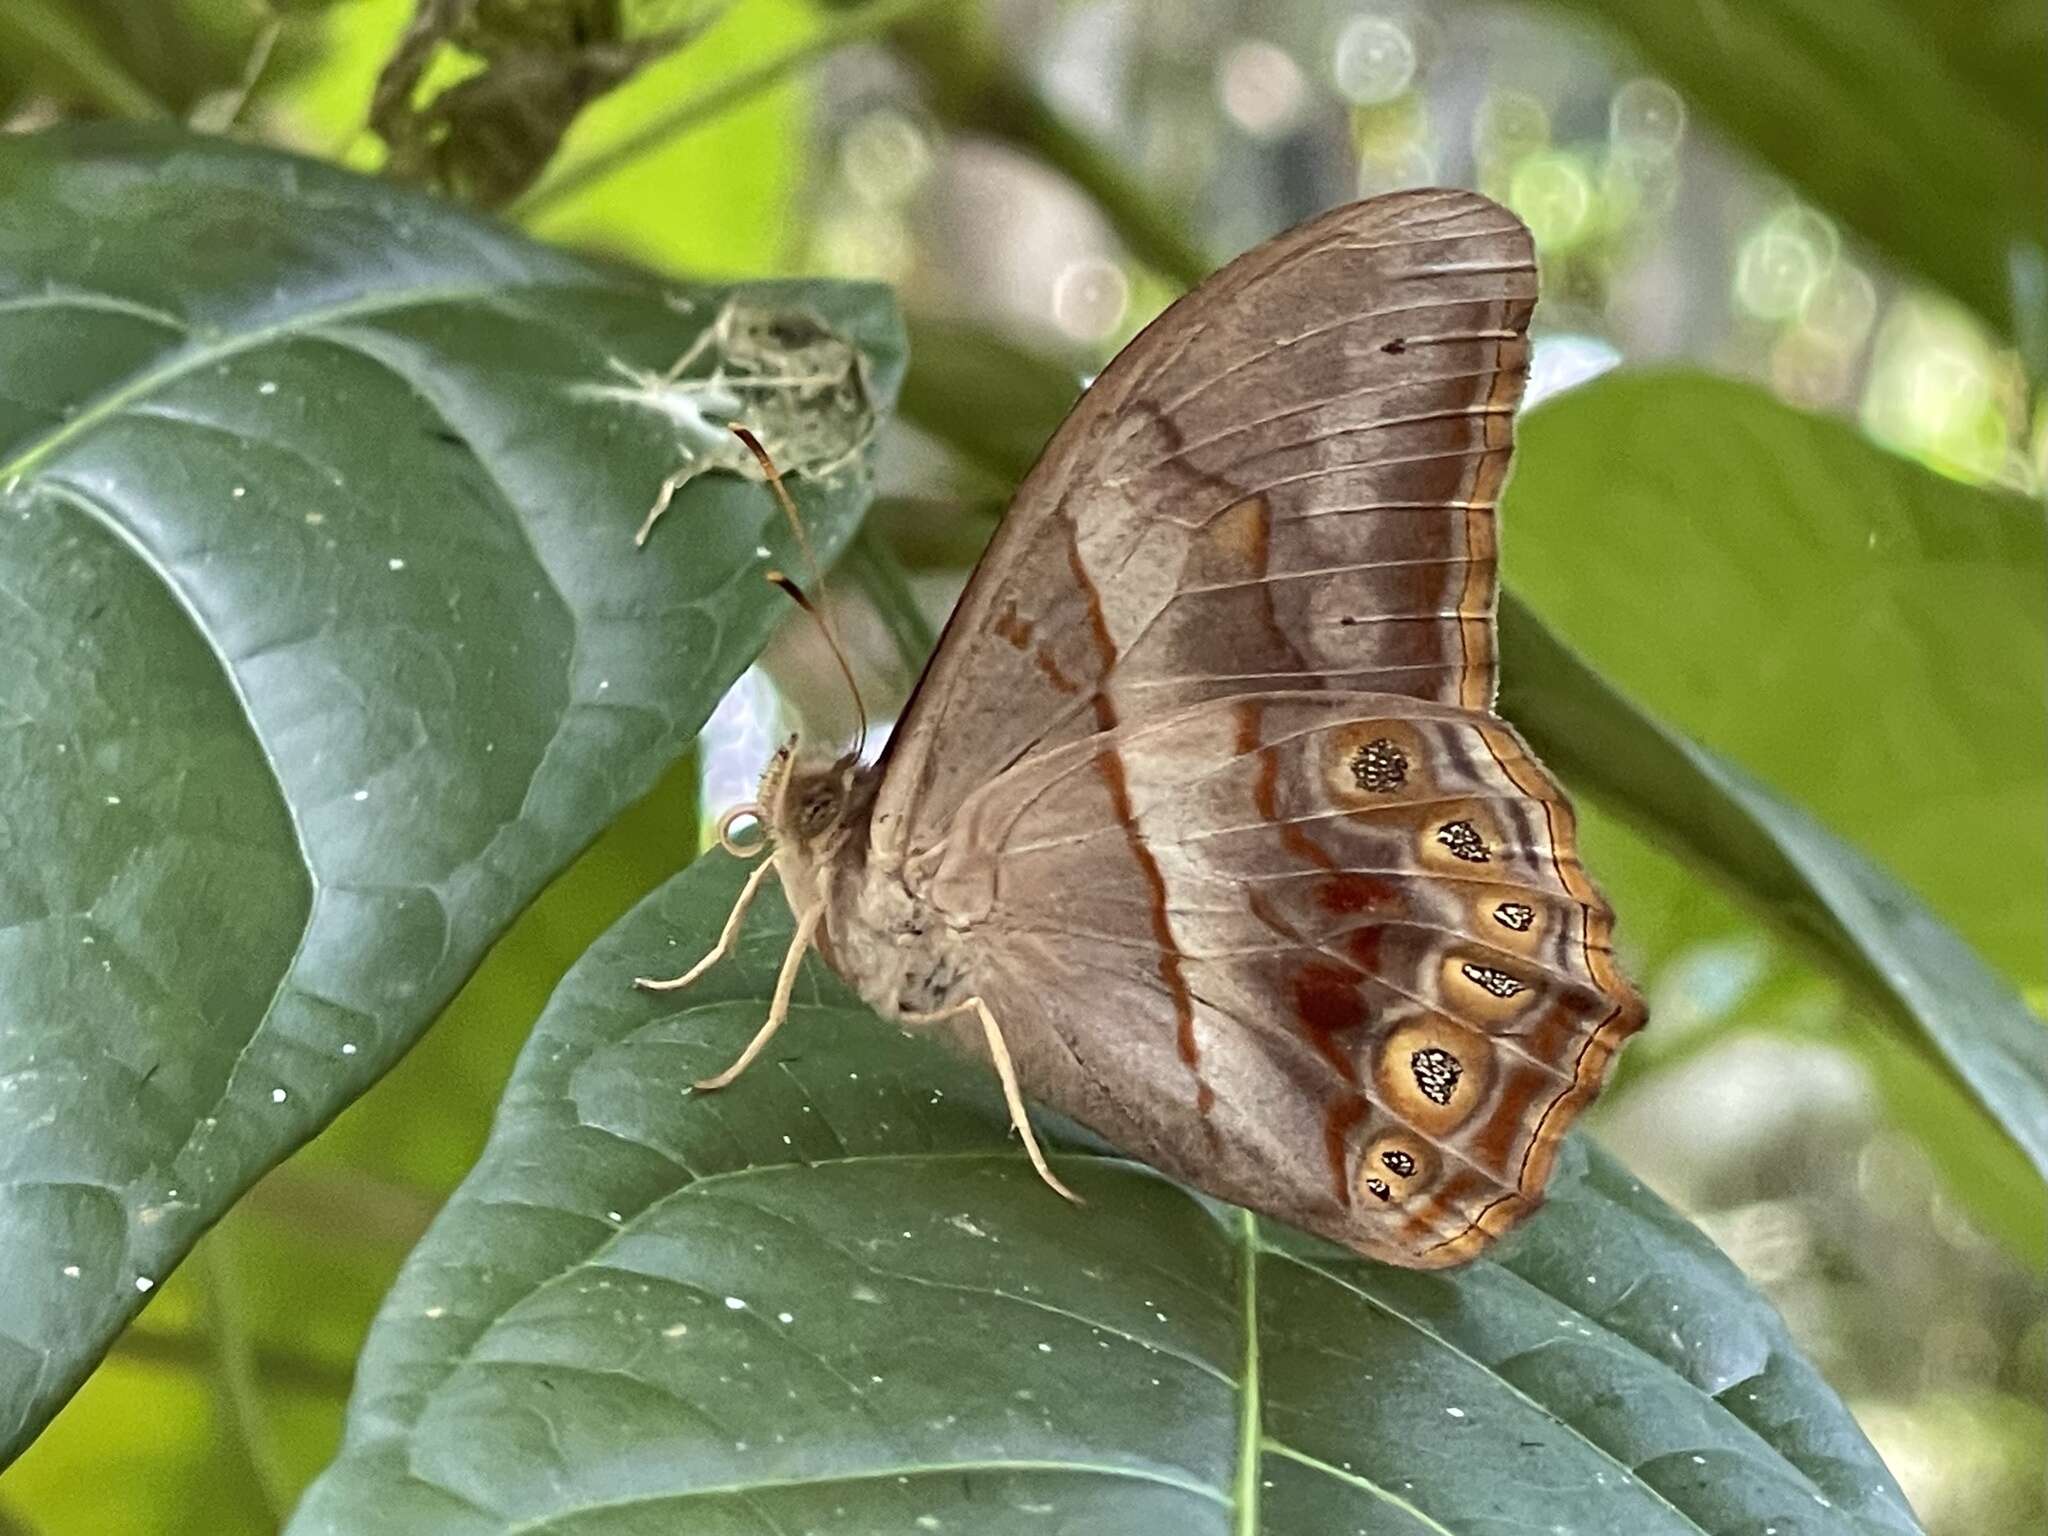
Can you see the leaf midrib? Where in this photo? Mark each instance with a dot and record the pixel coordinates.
(192, 358)
(1250, 1409)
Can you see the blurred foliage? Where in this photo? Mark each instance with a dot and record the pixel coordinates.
(478, 93)
(140, 58)
(1881, 266)
(1921, 123)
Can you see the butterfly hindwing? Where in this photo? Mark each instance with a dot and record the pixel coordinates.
(1330, 955)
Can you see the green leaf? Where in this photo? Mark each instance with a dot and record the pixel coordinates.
(835, 1298)
(1921, 125)
(1804, 880)
(1867, 638)
(328, 647)
(989, 400)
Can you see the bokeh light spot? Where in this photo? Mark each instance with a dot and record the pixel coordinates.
(1374, 60)
(1647, 115)
(1261, 88)
(1553, 194)
(1089, 298)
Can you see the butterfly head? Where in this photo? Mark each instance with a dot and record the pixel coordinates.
(811, 802)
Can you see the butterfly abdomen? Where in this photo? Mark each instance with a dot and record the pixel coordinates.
(899, 953)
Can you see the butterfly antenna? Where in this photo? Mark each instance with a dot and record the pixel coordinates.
(788, 503)
(795, 594)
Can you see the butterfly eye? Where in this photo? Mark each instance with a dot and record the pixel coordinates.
(816, 814)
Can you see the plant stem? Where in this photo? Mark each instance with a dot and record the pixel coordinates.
(45, 35)
(708, 105)
(276, 1369)
(881, 579)
(234, 1360)
(977, 90)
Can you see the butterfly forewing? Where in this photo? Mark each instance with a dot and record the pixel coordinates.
(1286, 481)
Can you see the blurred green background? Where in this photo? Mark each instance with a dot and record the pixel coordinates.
(1838, 201)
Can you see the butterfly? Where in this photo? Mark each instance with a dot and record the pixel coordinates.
(1199, 824)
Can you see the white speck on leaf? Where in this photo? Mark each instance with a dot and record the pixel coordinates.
(113, 799)
(278, 1095)
(71, 1271)
(348, 1047)
(361, 794)
(395, 563)
(144, 1284)
(1456, 1413)
(239, 492)
(734, 1303)
(435, 1312)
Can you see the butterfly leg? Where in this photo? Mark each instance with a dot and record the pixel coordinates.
(1006, 1074)
(778, 1007)
(725, 939)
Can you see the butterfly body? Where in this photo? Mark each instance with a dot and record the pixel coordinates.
(1202, 798)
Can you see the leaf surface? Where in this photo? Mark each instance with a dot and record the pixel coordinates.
(327, 647)
(1864, 636)
(834, 1298)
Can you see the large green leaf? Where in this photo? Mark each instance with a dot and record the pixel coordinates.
(835, 1299)
(1866, 637)
(1804, 880)
(1920, 123)
(327, 648)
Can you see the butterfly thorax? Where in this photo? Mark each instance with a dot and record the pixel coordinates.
(896, 950)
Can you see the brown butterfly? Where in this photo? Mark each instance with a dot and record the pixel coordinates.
(1199, 823)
